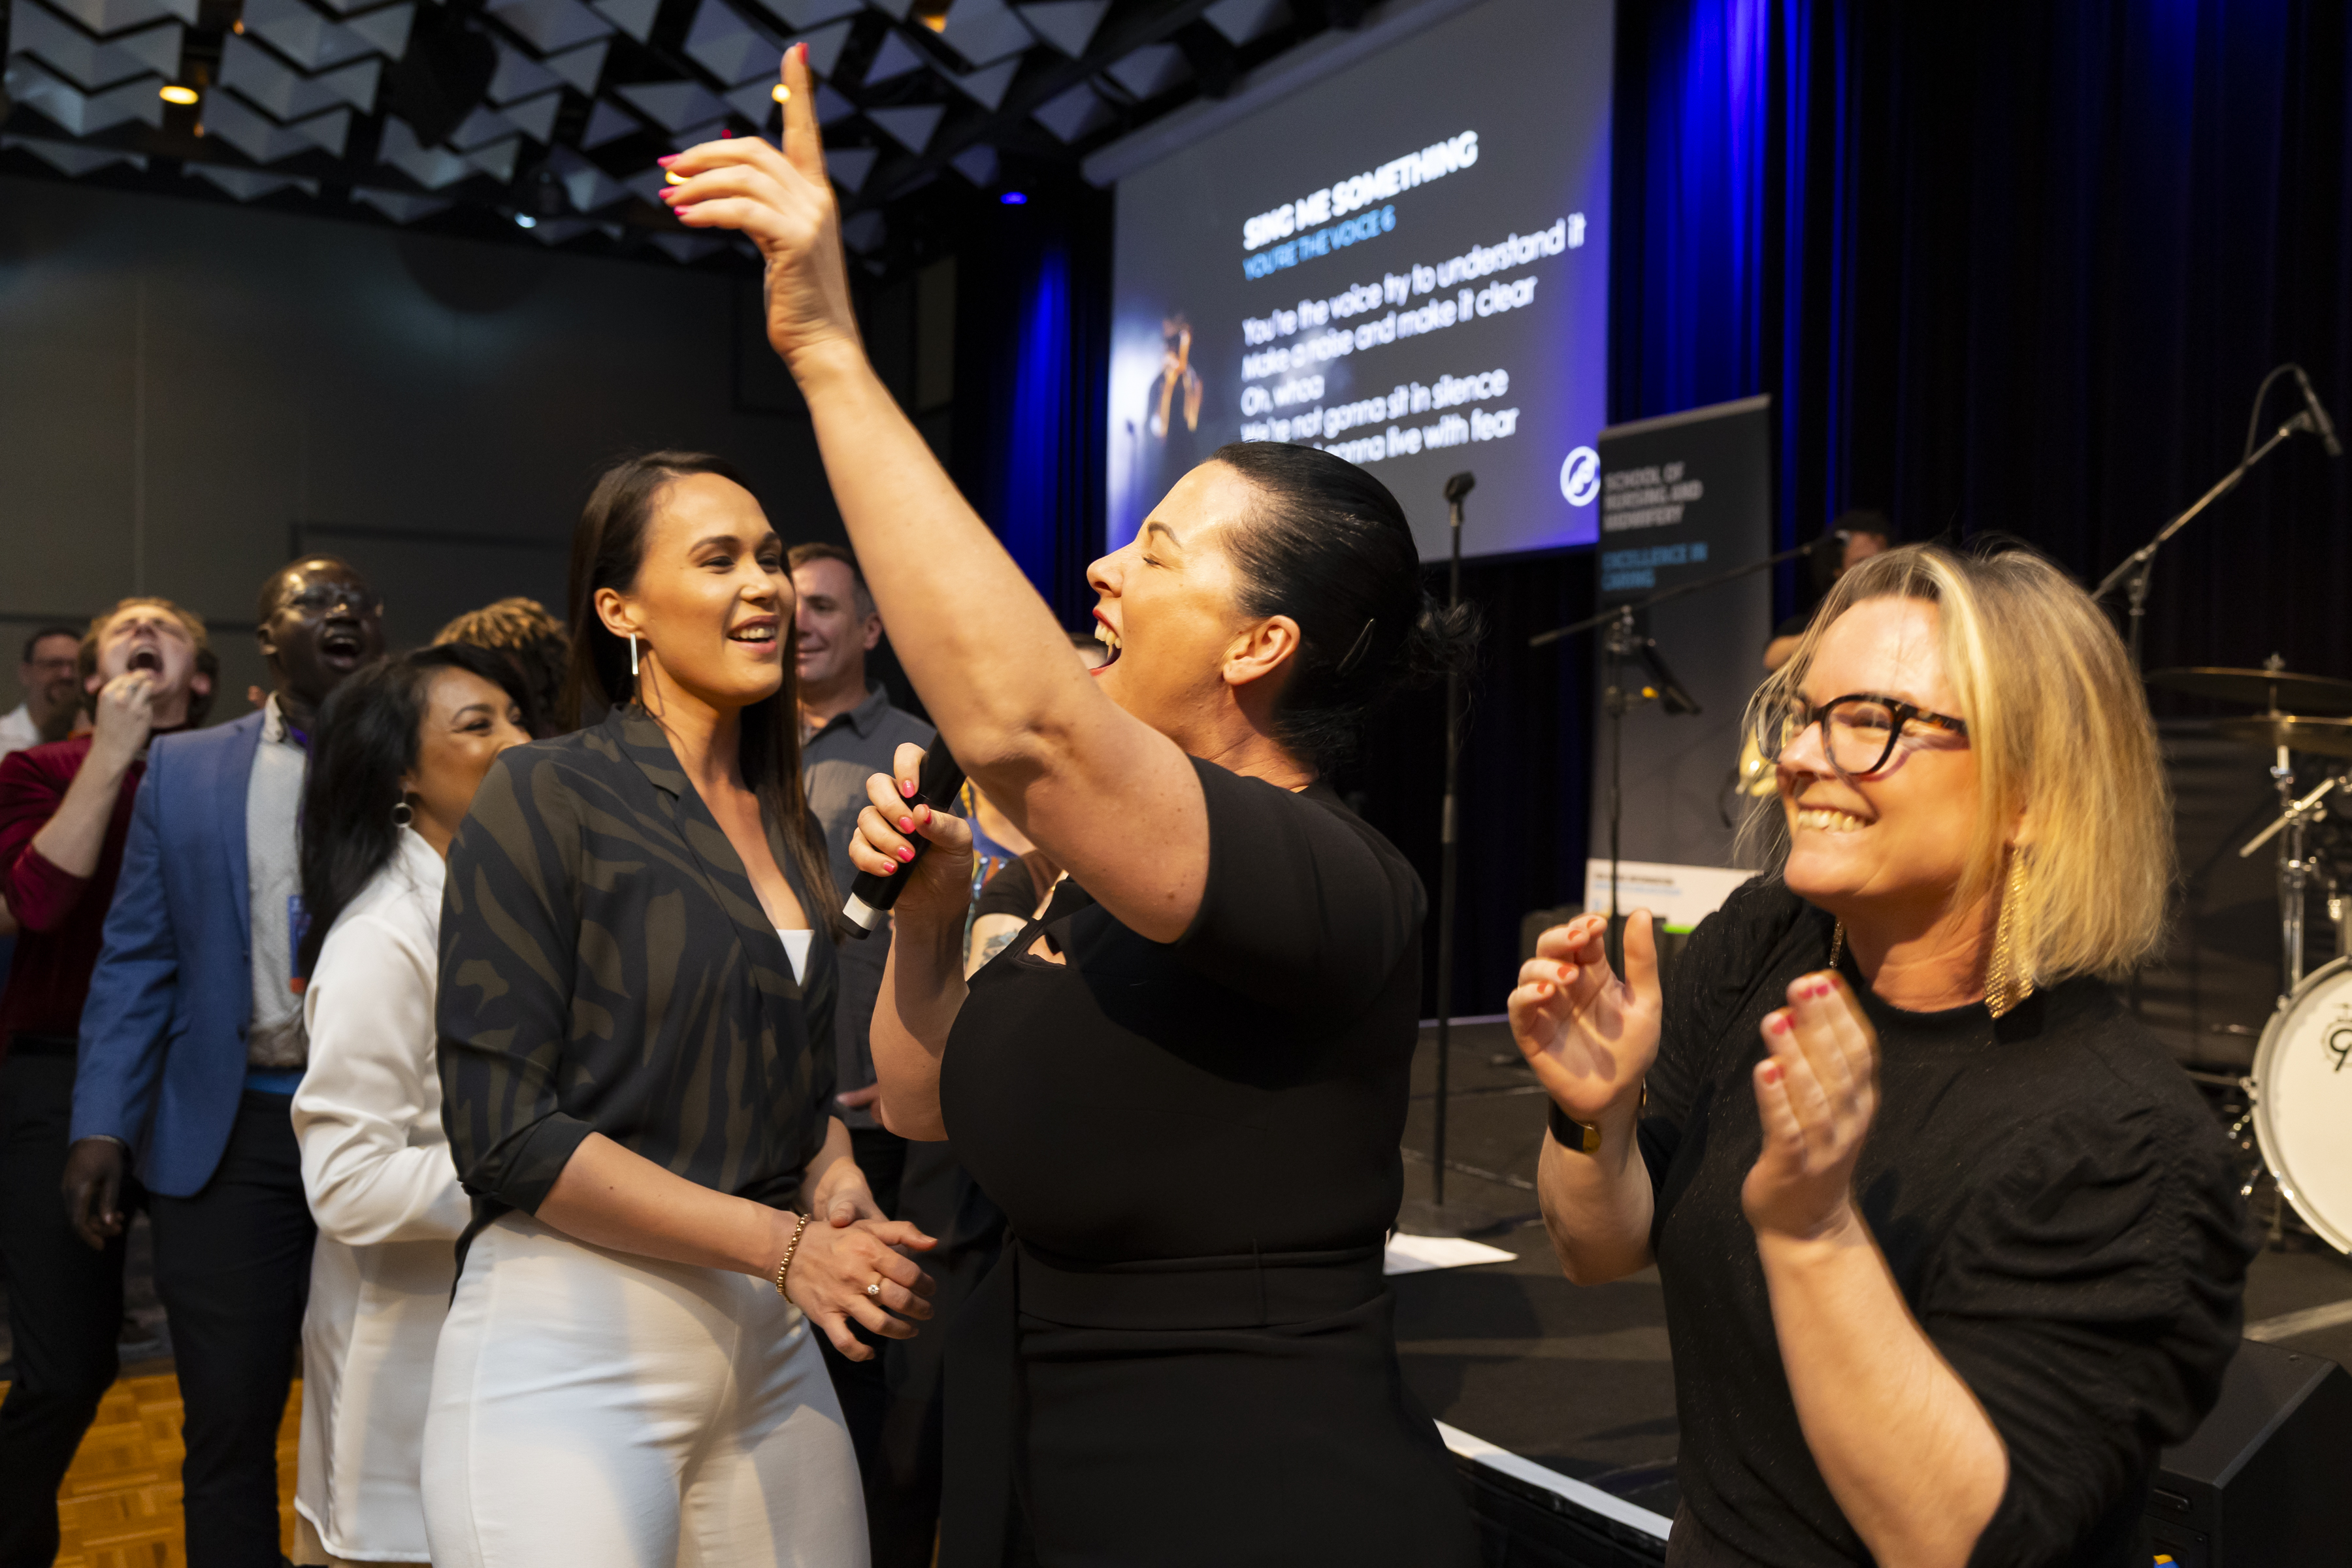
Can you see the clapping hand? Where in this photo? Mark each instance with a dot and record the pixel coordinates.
(1816, 1093)
(781, 199)
(1588, 1036)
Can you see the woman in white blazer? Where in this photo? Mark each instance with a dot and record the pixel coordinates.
(402, 746)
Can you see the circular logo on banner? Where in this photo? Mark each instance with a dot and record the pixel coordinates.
(1579, 477)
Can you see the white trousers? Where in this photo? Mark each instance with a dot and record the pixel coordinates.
(592, 1408)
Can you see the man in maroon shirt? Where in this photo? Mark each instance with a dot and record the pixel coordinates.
(65, 811)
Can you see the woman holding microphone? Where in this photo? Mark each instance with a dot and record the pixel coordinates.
(1185, 1081)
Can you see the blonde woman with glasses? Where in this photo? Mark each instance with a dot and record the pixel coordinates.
(1949, 1245)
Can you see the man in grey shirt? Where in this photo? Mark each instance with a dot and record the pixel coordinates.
(849, 733)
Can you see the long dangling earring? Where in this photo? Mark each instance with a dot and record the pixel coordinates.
(2009, 978)
(1837, 943)
(632, 655)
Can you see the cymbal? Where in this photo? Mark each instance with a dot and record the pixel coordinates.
(2328, 737)
(2282, 688)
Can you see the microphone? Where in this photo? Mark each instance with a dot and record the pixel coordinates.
(2315, 413)
(871, 895)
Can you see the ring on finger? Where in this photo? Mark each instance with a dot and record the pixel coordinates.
(873, 1291)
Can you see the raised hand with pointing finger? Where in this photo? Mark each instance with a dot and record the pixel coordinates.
(782, 200)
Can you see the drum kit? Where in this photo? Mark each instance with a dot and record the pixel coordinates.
(2299, 1091)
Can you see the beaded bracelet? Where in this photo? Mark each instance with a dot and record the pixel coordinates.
(790, 1247)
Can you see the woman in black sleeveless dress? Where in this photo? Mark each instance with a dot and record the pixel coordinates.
(1185, 1084)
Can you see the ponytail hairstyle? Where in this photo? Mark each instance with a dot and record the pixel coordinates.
(1329, 547)
(607, 550)
(367, 741)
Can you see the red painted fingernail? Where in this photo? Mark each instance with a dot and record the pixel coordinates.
(803, 52)
(906, 824)
(907, 788)
(1777, 1023)
(725, 134)
(905, 853)
(673, 158)
(1567, 972)
(1821, 988)
(1771, 1072)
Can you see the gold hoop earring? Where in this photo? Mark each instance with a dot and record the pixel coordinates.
(2009, 976)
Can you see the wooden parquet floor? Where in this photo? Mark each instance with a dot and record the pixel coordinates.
(120, 1505)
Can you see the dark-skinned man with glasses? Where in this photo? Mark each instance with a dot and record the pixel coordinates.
(191, 1048)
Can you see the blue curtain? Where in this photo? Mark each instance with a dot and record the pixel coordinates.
(1031, 352)
(2011, 267)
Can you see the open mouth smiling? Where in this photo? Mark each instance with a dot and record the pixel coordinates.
(758, 633)
(1109, 639)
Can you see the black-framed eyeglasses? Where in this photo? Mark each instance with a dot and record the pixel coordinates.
(325, 598)
(1859, 731)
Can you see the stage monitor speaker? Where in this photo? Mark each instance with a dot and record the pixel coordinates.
(2261, 1483)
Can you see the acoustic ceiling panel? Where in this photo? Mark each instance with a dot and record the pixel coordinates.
(850, 165)
(77, 112)
(269, 83)
(1072, 114)
(912, 125)
(72, 158)
(729, 45)
(1244, 21)
(263, 139)
(985, 31)
(1150, 70)
(582, 67)
(1067, 24)
(113, 16)
(549, 26)
(988, 87)
(89, 62)
(608, 122)
(674, 105)
(895, 59)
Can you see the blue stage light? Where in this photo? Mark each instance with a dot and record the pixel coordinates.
(1013, 199)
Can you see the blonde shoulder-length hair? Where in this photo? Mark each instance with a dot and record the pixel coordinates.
(2060, 728)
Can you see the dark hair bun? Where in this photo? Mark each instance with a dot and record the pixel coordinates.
(1330, 548)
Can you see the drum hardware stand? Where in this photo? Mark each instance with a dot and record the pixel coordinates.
(2132, 569)
(2295, 868)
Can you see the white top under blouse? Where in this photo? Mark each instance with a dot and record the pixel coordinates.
(376, 1168)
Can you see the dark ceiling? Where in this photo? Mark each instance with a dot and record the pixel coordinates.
(539, 120)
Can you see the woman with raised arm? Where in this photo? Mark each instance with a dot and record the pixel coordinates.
(1186, 1081)
(1950, 1246)
(635, 1024)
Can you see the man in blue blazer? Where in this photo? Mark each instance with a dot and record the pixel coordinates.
(191, 1048)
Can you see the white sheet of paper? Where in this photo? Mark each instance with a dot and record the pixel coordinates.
(1414, 1254)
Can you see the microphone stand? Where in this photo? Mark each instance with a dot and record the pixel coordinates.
(1622, 641)
(1448, 839)
(2132, 570)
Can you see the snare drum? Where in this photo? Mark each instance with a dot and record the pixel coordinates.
(2303, 1102)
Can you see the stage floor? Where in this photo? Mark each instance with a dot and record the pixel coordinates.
(1580, 1380)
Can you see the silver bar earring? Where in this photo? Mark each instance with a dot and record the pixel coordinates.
(632, 655)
